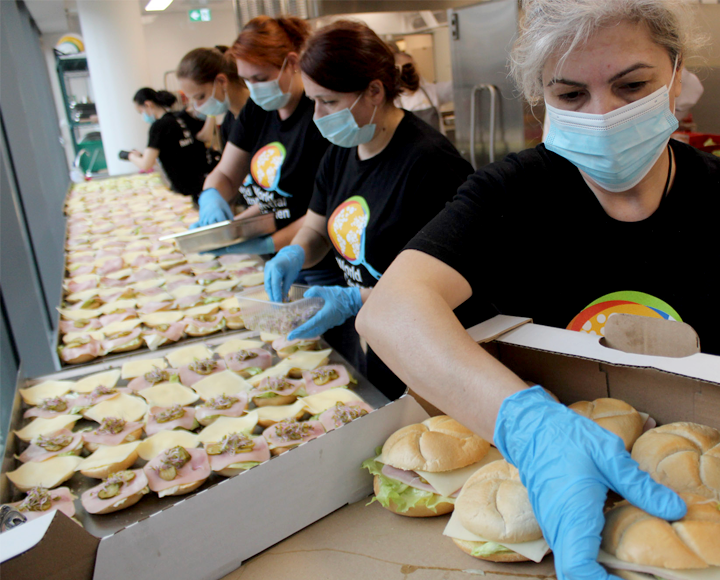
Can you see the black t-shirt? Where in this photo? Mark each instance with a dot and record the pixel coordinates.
(285, 157)
(226, 127)
(532, 239)
(375, 206)
(182, 156)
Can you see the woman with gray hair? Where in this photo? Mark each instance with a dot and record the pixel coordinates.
(608, 210)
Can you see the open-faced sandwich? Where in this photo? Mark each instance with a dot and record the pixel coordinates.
(116, 492)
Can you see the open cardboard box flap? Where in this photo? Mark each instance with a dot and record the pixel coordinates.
(579, 366)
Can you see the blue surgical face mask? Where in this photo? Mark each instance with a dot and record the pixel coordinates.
(341, 128)
(148, 118)
(212, 107)
(268, 95)
(617, 149)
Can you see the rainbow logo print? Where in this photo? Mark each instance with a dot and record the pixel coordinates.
(266, 166)
(347, 229)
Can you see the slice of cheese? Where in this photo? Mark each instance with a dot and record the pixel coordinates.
(168, 394)
(106, 379)
(124, 406)
(42, 426)
(229, 303)
(449, 482)
(164, 297)
(155, 445)
(279, 370)
(185, 291)
(321, 402)
(281, 412)
(202, 310)
(120, 274)
(117, 305)
(48, 474)
(239, 265)
(83, 295)
(185, 356)
(237, 344)
(225, 425)
(49, 389)
(70, 337)
(148, 284)
(222, 383)
(162, 317)
(108, 454)
(269, 336)
(79, 314)
(199, 258)
(121, 326)
(534, 551)
(160, 252)
(153, 341)
(130, 370)
(221, 285)
(169, 279)
(254, 279)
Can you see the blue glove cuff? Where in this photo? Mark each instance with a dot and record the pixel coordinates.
(295, 254)
(355, 297)
(266, 245)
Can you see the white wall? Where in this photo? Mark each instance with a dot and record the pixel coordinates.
(171, 35)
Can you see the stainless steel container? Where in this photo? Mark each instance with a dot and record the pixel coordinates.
(224, 234)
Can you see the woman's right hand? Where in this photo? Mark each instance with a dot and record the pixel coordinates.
(282, 271)
(567, 463)
(213, 209)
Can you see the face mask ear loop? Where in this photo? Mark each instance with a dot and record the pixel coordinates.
(672, 80)
(373, 116)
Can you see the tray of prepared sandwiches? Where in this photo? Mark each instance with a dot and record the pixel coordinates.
(440, 467)
(129, 439)
(126, 289)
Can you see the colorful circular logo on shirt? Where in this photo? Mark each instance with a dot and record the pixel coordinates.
(593, 318)
(266, 165)
(347, 230)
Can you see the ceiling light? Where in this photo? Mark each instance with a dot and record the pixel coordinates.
(156, 5)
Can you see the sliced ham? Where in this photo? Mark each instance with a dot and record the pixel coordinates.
(98, 395)
(35, 452)
(101, 437)
(60, 499)
(153, 378)
(342, 413)
(287, 434)
(151, 307)
(312, 377)
(45, 409)
(189, 377)
(80, 286)
(81, 271)
(181, 269)
(142, 260)
(94, 504)
(228, 259)
(172, 257)
(173, 333)
(223, 294)
(81, 259)
(157, 291)
(91, 349)
(72, 325)
(206, 267)
(198, 468)
(187, 421)
(188, 281)
(108, 250)
(216, 320)
(106, 282)
(207, 277)
(108, 319)
(283, 343)
(203, 413)
(142, 275)
(190, 301)
(109, 266)
(242, 272)
(260, 453)
(239, 361)
(408, 478)
(111, 344)
(279, 385)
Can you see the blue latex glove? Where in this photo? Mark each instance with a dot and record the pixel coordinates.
(213, 209)
(567, 463)
(340, 304)
(282, 271)
(261, 245)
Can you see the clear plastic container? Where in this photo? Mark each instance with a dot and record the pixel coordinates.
(258, 313)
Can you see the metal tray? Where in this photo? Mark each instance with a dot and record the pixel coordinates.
(223, 234)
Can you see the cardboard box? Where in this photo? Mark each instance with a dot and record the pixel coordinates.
(210, 533)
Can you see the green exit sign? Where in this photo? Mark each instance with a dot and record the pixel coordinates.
(200, 15)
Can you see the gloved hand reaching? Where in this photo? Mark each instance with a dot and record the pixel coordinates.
(261, 245)
(282, 271)
(567, 463)
(213, 209)
(340, 304)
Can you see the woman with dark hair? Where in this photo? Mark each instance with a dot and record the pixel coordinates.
(172, 141)
(385, 176)
(210, 80)
(274, 148)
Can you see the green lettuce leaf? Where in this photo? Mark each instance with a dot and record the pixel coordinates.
(400, 494)
(488, 549)
(244, 464)
(252, 371)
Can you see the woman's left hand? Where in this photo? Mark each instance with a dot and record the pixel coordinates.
(340, 304)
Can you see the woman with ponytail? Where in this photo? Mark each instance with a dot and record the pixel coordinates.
(172, 141)
(385, 176)
(274, 148)
(209, 78)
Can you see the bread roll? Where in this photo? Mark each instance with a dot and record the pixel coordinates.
(435, 445)
(693, 542)
(417, 511)
(683, 456)
(494, 504)
(614, 415)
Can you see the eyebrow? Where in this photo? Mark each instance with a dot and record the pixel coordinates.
(636, 66)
